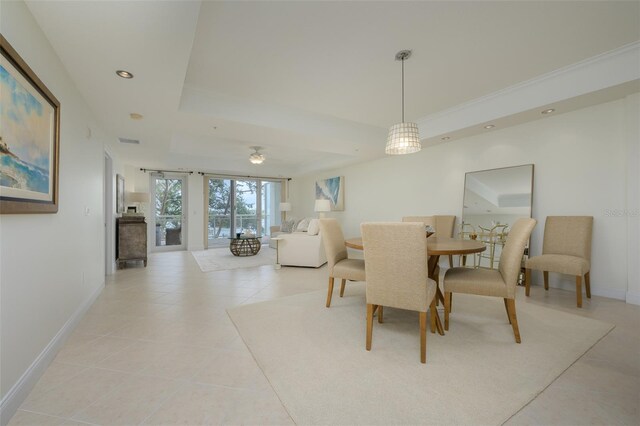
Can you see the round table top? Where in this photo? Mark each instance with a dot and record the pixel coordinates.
(436, 246)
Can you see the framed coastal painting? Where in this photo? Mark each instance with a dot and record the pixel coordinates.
(29, 138)
(331, 189)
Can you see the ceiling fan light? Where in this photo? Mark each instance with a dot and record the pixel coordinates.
(256, 158)
(404, 138)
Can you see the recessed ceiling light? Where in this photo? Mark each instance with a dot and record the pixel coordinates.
(548, 111)
(489, 126)
(136, 116)
(124, 74)
(446, 138)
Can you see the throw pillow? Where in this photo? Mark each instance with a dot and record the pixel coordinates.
(303, 225)
(287, 226)
(314, 227)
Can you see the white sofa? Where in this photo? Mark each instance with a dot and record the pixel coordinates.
(299, 249)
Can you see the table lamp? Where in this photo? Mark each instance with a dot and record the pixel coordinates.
(285, 207)
(322, 206)
(137, 198)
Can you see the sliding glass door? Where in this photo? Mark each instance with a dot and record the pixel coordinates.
(240, 205)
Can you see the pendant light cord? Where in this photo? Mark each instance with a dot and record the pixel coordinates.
(403, 89)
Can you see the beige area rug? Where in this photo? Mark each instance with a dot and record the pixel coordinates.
(316, 361)
(219, 259)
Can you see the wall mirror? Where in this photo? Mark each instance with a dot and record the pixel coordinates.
(493, 201)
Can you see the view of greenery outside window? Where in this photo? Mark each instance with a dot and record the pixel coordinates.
(250, 205)
(168, 210)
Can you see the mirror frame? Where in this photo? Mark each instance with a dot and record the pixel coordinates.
(528, 248)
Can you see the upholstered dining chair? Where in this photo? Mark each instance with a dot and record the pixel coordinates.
(566, 249)
(499, 282)
(395, 262)
(443, 226)
(340, 266)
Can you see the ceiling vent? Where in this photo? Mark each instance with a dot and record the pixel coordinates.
(131, 141)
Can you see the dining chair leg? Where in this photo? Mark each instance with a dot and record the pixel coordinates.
(546, 279)
(511, 304)
(342, 284)
(330, 292)
(370, 309)
(447, 306)
(450, 261)
(527, 281)
(433, 315)
(587, 285)
(380, 314)
(423, 337)
(464, 260)
(506, 307)
(579, 291)
(450, 302)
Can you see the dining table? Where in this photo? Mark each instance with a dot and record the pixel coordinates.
(436, 247)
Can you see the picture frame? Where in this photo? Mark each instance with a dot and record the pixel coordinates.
(29, 139)
(119, 194)
(331, 189)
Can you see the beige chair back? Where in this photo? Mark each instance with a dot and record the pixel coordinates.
(511, 257)
(395, 256)
(568, 235)
(427, 220)
(333, 240)
(445, 226)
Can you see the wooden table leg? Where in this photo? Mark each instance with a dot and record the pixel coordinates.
(432, 268)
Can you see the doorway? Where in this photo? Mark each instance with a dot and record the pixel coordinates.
(109, 252)
(168, 215)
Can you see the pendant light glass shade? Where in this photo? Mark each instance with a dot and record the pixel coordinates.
(404, 138)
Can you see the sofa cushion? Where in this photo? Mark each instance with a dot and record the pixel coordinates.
(287, 226)
(314, 227)
(303, 225)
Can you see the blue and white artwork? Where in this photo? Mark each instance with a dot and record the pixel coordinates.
(26, 138)
(331, 189)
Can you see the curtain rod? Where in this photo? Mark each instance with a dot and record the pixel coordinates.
(242, 176)
(167, 171)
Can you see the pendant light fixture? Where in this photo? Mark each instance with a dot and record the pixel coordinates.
(256, 157)
(404, 138)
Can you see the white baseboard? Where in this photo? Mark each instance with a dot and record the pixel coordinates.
(633, 298)
(20, 390)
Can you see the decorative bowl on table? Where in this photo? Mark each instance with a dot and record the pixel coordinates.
(430, 231)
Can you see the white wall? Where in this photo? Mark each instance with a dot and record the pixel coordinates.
(632, 211)
(51, 265)
(580, 169)
(195, 210)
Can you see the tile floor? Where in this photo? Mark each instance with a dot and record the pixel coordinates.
(157, 347)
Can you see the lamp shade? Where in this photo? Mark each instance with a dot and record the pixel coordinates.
(404, 138)
(322, 206)
(136, 197)
(285, 207)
